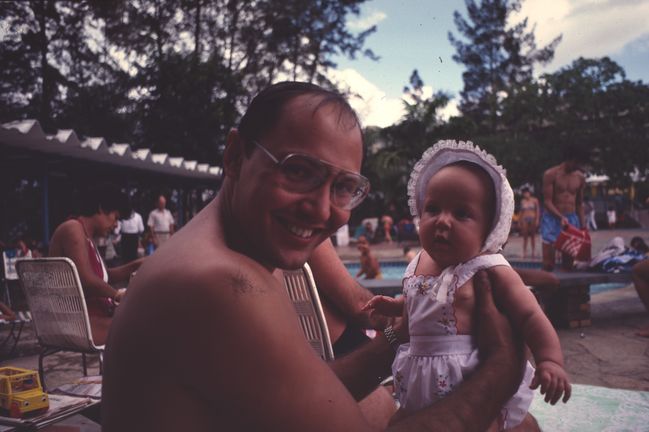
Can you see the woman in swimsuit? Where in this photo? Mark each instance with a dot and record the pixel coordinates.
(529, 220)
(99, 211)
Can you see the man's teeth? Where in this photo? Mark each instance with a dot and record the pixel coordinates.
(301, 232)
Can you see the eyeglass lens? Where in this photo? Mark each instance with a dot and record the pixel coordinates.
(304, 174)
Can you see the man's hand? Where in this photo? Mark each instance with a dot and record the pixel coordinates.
(564, 222)
(553, 380)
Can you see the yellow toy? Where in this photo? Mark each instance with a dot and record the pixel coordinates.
(21, 392)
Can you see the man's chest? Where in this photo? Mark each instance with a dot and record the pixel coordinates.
(567, 183)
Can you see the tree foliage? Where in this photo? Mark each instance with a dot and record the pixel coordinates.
(498, 56)
(172, 75)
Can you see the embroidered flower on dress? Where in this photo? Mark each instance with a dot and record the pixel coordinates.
(423, 287)
(398, 380)
(444, 387)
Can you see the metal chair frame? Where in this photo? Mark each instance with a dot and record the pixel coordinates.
(302, 291)
(58, 307)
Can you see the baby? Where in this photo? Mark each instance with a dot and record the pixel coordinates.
(465, 206)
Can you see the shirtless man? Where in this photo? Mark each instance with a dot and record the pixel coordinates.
(210, 341)
(563, 187)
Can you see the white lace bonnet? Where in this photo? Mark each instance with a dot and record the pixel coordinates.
(446, 152)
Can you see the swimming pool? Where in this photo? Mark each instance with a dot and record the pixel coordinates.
(393, 270)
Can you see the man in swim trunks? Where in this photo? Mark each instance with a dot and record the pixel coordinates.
(563, 187)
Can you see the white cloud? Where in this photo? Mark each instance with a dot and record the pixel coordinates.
(590, 28)
(371, 103)
(360, 24)
(451, 110)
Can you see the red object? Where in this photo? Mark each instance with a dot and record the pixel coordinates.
(574, 242)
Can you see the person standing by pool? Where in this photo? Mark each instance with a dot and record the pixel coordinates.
(563, 188)
(530, 213)
(589, 213)
(160, 223)
(234, 356)
(131, 229)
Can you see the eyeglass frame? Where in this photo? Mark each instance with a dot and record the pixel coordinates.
(365, 182)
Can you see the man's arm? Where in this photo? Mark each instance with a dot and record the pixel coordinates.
(123, 273)
(338, 287)
(548, 194)
(172, 223)
(150, 223)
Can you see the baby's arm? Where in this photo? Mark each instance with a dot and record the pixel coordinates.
(384, 305)
(521, 306)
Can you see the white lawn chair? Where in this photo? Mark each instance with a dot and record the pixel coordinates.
(303, 293)
(22, 317)
(56, 301)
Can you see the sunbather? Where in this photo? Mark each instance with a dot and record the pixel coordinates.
(211, 341)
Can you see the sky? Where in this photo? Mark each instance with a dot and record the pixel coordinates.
(412, 34)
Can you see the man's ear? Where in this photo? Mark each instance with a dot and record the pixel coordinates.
(233, 154)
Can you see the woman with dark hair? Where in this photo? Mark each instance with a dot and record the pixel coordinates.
(99, 210)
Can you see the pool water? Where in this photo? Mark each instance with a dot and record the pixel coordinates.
(395, 270)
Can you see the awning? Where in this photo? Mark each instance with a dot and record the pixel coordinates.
(28, 135)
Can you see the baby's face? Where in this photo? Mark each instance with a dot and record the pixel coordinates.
(456, 215)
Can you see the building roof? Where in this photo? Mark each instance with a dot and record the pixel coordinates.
(28, 135)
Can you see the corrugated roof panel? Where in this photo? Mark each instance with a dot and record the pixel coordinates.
(143, 154)
(97, 144)
(120, 149)
(160, 158)
(176, 162)
(29, 135)
(190, 165)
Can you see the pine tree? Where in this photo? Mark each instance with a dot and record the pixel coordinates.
(498, 57)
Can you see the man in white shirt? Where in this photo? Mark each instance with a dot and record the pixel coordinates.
(161, 223)
(131, 230)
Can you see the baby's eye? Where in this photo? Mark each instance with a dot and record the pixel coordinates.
(432, 209)
(462, 214)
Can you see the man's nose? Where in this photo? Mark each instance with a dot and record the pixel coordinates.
(318, 203)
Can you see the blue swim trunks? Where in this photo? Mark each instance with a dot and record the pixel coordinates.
(551, 226)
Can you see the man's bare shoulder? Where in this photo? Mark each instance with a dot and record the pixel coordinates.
(550, 173)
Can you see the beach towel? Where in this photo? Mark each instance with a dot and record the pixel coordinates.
(593, 408)
(574, 242)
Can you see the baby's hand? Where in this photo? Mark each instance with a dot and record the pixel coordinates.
(553, 380)
(385, 305)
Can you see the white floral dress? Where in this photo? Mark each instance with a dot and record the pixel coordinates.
(437, 359)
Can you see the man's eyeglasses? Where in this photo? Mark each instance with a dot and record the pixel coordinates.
(301, 173)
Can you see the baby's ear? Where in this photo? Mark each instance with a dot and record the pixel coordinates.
(233, 154)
